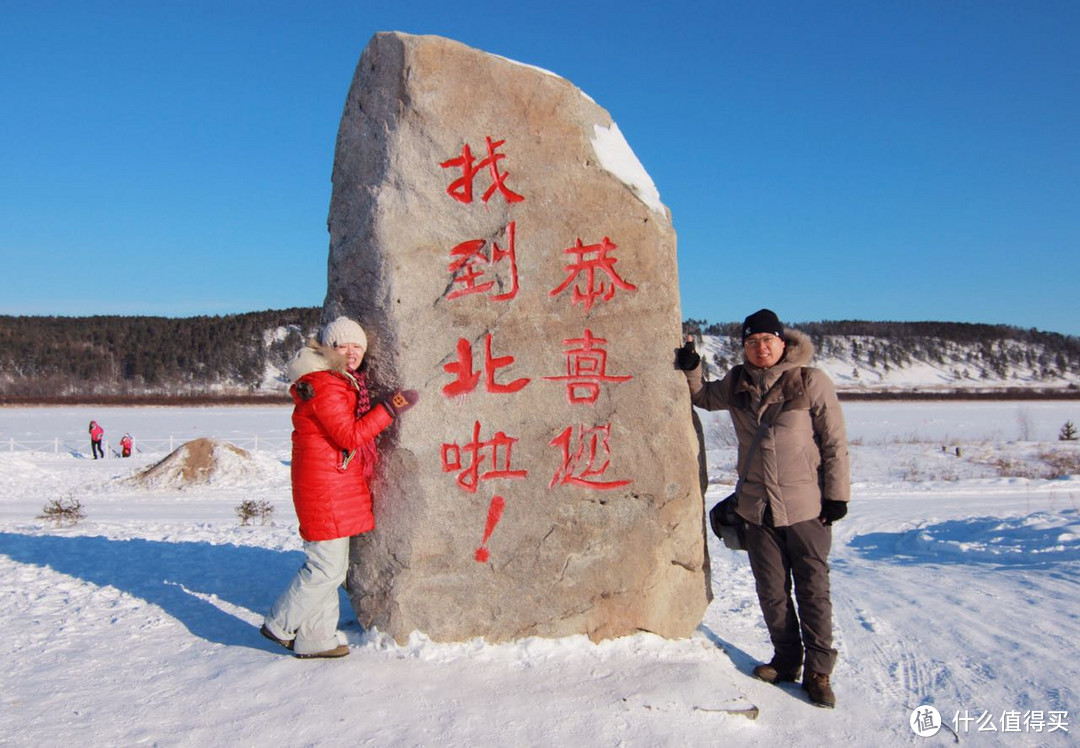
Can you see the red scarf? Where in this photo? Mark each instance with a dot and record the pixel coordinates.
(363, 405)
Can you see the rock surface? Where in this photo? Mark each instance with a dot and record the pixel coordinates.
(510, 258)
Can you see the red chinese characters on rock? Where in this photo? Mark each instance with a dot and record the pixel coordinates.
(461, 189)
(482, 266)
(495, 510)
(474, 269)
(586, 367)
(586, 460)
(591, 260)
(468, 264)
(468, 459)
(467, 379)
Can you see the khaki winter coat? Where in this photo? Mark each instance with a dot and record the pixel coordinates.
(803, 458)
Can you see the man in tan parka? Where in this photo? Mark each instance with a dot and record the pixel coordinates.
(794, 482)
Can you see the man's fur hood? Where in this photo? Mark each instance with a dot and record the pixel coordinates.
(799, 349)
(315, 357)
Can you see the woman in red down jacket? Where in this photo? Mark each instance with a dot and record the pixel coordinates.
(333, 459)
(96, 435)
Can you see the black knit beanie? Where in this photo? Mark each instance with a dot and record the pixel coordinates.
(763, 320)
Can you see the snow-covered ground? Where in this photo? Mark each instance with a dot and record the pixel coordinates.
(955, 584)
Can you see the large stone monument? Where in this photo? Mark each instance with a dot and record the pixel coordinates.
(510, 258)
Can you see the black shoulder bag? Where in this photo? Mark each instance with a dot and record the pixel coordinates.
(725, 521)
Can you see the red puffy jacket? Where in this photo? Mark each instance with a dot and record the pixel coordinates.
(330, 490)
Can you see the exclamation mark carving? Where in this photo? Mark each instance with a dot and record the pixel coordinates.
(494, 513)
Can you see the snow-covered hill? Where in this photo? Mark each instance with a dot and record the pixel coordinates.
(246, 354)
(869, 364)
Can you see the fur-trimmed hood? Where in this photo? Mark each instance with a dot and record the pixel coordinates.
(315, 356)
(799, 349)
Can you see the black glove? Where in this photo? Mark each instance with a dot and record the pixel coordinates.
(686, 358)
(401, 401)
(832, 510)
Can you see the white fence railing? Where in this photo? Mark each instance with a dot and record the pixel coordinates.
(162, 446)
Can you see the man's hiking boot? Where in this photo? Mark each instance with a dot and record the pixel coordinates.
(339, 651)
(770, 672)
(818, 690)
(287, 643)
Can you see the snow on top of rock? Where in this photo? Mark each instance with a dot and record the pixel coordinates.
(617, 157)
(544, 71)
(527, 65)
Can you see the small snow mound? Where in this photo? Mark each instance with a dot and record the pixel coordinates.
(198, 462)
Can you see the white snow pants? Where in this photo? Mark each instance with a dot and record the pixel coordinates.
(308, 610)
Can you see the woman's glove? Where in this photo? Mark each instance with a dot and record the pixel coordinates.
(832, 510)
(686, 358)
(401, 401)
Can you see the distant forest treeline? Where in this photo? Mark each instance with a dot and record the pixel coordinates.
(118, 358)
(65, 357)
(956, 332)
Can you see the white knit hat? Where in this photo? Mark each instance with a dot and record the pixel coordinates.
(342, 331)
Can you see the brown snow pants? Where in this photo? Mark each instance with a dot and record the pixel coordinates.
(797, 553)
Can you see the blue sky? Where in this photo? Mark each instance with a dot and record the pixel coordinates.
(906, 160)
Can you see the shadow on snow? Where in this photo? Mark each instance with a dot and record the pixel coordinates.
(1037, 540)
(176, 576)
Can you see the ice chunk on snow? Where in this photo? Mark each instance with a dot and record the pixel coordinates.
(616, 156)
